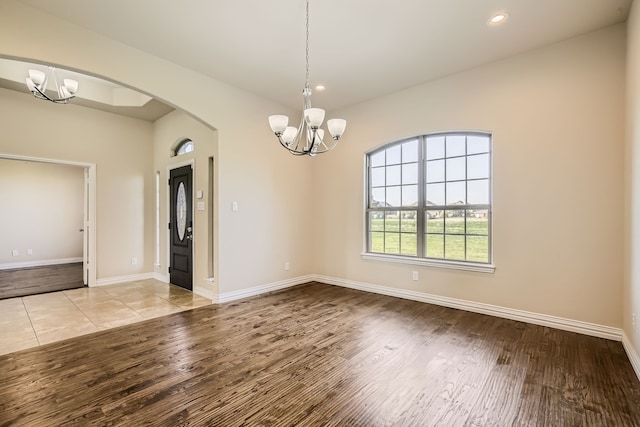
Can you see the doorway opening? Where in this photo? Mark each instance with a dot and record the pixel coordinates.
(53, 243)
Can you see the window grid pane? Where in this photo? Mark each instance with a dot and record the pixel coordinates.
(442, 212)
(185, 147)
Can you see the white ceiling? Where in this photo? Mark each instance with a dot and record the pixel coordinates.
(360, 49)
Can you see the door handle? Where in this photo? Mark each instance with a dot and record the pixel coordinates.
(81, 230)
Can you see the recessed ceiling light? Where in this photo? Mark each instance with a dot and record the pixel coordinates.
(498, 18)
(320, 88)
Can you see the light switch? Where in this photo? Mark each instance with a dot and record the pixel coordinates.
(234, 206)
(199, 194)
(200, 206)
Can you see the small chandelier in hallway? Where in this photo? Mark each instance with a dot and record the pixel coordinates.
(37, 84)
(307, 138)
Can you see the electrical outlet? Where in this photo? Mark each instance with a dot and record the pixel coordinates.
(29, 251)
(286, 266)
(415, 275)
(15, 252)
(134, 261)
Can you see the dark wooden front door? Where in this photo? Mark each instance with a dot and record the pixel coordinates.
(181, 227)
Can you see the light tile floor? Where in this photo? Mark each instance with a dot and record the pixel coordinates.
(42, 319)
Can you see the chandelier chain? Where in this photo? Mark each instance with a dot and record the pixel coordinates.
(307, 46)
(308, 138)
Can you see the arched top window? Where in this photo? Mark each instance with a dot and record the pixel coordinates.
(183, 147)
(429, 200)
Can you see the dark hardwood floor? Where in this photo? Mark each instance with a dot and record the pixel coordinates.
(20, 282)
(319, 355)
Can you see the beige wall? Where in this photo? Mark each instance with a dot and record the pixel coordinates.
(121, 149)
(557, 118)
(42, 210)
(272, 188)
(631, 296)
(169, 130)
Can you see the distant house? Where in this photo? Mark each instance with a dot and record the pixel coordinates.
(433, 214)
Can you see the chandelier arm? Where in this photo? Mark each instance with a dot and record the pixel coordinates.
(292, 151)
(327, 147)
(43, 95)
(55, 82)
(300, 143)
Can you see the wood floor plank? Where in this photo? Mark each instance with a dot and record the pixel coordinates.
(21, 282)
(322, 355)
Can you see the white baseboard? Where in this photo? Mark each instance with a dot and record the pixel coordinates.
(578, 326)
(41, 263)
(124, 279)
(257, 290)
(561, 323)
(164, 278)
(634, 358)
(203, 292)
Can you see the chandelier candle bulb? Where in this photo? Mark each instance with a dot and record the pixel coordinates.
(71, 86)
(314, 117)
(336, 127)
(36, 76)
(278, 123)
(289, 134)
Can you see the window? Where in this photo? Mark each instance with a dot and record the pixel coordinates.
(429, 200)
(184, 147)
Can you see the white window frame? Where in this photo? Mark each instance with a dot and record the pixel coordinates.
(421, 259)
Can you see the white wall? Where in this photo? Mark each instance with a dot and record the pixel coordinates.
(121, 149)
(42, 210)
(631, 296)
(557, 118)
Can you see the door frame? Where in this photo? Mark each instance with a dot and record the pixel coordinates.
(192, 163)
(89, 235)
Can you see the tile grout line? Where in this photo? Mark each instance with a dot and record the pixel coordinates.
(81, 310)
(33, 328)
(117, 298)
(141, 287)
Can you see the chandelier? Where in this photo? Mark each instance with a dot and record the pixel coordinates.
(37, 84)
(308, 137)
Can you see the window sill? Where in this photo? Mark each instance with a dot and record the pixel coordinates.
(454, 265)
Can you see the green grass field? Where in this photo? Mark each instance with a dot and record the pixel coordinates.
(444, 237)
